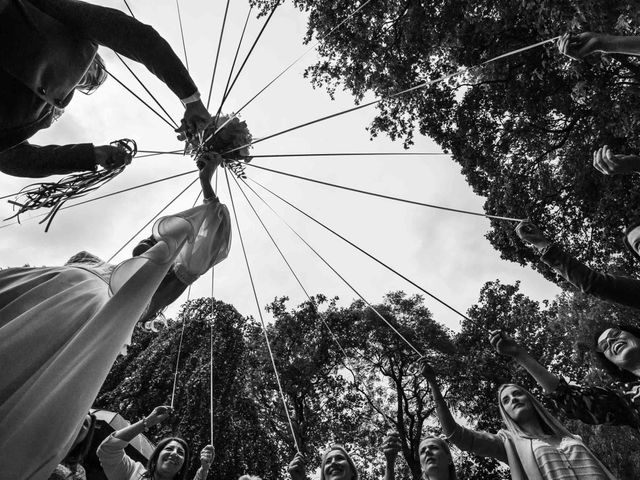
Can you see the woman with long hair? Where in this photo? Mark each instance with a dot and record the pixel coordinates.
(534, 444)
(336, 464)
(436, 461)
(71, 467)
(618, 352)
(169, 460)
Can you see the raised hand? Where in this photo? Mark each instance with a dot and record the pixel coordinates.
(391, 446)
(580, 45)
(206, 457)
(504, 344)
(158, 415)
(196, 119)
(530, 233)
(207, 164)
(427, 370)
(605, 161)
(296, 467)
(110, 157)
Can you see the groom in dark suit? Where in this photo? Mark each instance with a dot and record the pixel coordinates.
(48, 49)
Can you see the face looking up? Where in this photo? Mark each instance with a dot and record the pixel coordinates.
(171, 458)
(434, 457)
(516, 403)
(633, 237)
(619, 347)
(337, 467)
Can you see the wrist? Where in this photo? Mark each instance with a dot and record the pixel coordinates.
(519, 354)
(145, 424)
(191, 98)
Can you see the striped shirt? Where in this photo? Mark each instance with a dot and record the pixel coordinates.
(566, 459)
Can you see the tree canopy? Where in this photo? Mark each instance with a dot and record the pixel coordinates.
(348, 378)
(523, 128)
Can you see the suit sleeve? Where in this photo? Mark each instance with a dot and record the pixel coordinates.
(126, 36)
(27, 160)
(614, 288)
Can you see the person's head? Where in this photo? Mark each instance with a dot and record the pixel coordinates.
(169, 290)
(617, 351)
(95, 76)
(249, 477)
(519, 408)
(516, 402)
(632, 238)
(170, 458)
(83, 441)
(436, 459)
(337, 465)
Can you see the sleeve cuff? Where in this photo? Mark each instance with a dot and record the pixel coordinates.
(191, 98)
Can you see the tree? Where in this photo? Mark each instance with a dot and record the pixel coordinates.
(522, 128)
(555, 333)
(144, 379)
(322, 404)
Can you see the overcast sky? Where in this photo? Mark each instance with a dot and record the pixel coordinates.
(446, 253)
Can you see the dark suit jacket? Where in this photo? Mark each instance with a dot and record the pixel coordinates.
(46, 46)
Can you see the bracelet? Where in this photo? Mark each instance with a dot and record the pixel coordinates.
(145, 426)
(191, 98)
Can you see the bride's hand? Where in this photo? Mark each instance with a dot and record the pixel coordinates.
(207, 164)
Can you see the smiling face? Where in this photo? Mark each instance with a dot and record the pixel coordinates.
(434, 458)
(619, 347)
(633, 239)
(171, 458)
(516, 403)
(337, 467)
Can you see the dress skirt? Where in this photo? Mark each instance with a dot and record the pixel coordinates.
(61, 329)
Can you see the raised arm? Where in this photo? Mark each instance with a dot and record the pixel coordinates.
(297, 468)
(206, 458)
(114, 461)
(505, 345)
(207, 164)
(158, 415)
(27, 160)
(137, 41)
(583, 44)
(390, 447)
(481, 443)
(614, 288)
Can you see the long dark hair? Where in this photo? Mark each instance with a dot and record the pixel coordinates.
(153, 460)
(78, 453)
(607, 365)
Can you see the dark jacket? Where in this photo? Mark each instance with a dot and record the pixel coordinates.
(614, 288)
(46, 46)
